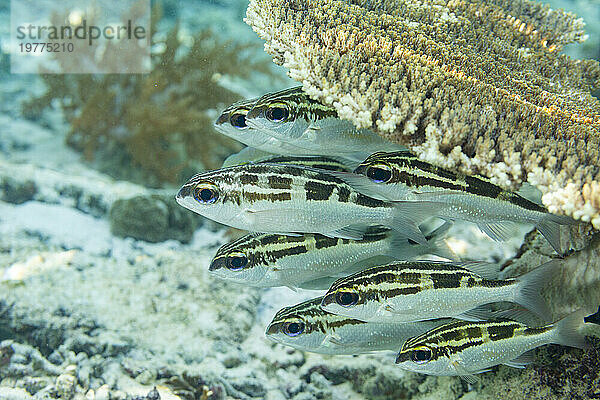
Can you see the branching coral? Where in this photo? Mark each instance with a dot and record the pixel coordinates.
(474, 85)
(161, 122)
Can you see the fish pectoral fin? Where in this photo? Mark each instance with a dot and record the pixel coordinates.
(334, 339)
(353, 232)
(465, 375)
(293, 289)
(269, 216)
(499, 231)
(389, 308)
(521, 361)
(481, 313)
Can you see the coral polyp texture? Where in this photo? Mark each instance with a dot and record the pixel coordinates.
(478, 86)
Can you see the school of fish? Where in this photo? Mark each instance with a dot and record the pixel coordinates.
(336, 208)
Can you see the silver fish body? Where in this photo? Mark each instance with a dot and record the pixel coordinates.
(307, 327)
(280, 198)
(291, 116)
(402, 176)
(268, 260)
(414, 291)
(464, 348)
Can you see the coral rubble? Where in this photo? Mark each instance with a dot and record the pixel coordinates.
(473, 85)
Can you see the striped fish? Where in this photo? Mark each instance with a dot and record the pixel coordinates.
(276, 198)
(267, 259)
(291, 116)
(414, 291)
(402, 176)
(307, 327)
(465, 348)
(232, 123)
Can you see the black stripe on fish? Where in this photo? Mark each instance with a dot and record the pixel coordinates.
(318, 191)
(280, 182)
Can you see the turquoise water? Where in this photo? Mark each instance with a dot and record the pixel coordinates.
(105, 291)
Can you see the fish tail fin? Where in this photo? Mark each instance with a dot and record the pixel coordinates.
(408, 215)
(437, 244)
(402, 248)
(550, 227)
(528, 292)
(567, 330)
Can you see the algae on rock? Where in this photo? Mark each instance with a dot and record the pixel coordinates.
(473, 85)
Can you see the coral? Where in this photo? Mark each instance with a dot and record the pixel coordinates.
(472, 85)
(160, 122)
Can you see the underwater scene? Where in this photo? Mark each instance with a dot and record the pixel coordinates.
(299, 199)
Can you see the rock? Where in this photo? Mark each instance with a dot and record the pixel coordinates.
(16, 191)
(153, 218)
(250, 386)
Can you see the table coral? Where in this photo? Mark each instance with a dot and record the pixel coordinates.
(475, 85)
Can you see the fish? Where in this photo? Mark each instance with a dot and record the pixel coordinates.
(250, 155)
(402, 176)
(418, 290)
(291, 116)
(463, 348)
(269, 260)
(291, 199)
(307, 327)
(232, 123)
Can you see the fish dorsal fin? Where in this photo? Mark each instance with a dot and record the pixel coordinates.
(521, 361)
(499, 231)
(484, 269)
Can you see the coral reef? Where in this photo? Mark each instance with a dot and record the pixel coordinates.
(160, 123)
(472, 85)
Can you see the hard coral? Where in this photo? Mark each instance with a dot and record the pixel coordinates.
(479, 86)
(160, 123)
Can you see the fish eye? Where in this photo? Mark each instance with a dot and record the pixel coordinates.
(206, 194)
(237, 261)
(379, 173)
(421, 355)
(293, 328)
(238, 120)
(346, 298)
(278, 113)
